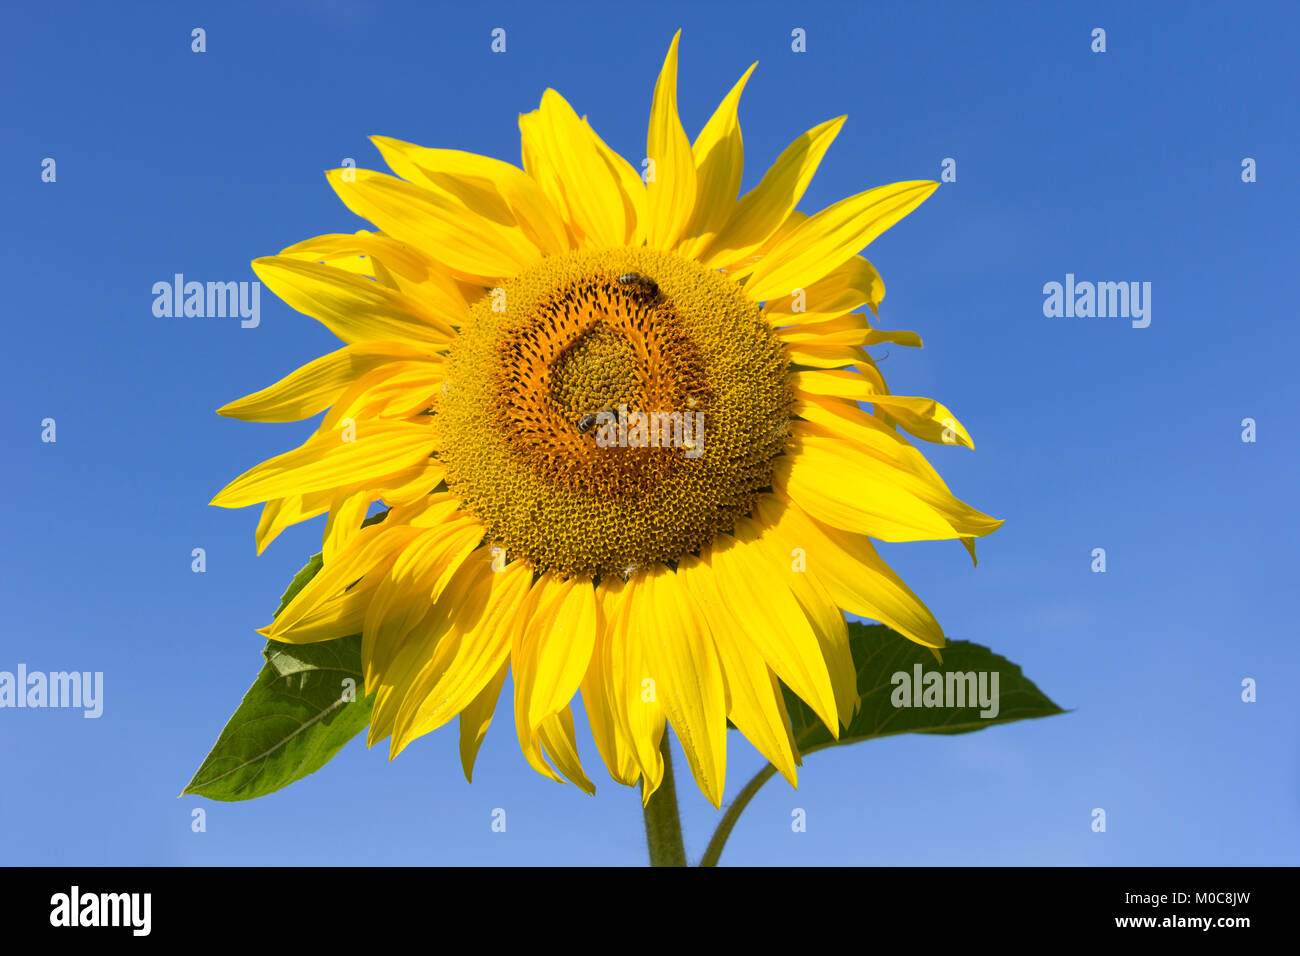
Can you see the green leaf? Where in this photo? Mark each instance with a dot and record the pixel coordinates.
(293, 719)
(879, 654)
(300, 581)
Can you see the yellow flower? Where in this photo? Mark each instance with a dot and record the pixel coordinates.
(617, 424)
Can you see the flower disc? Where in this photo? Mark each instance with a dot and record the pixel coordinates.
(621, 332)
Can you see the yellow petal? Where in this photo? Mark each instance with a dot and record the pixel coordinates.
(614, 748)
(340, 616)
(475, 720)
(427, 512)
(878, 491)
(411, 485)
(412, 672)
(325, 461)
(393, 390)
(846, 330)
(316, 385)
(545, 593)
(719, 155)
(551, 653)
(834, 356)
(403, 487)
(397, 684)
(854, 575)
(483, 185)
(688, 678)
(763, 209)
(629, 686)
(854, 431)
(394, 264)
(632, 188)
(753, 703)
(835, 383)
(923, 417)
(422, 659)
(336, 248)
(352, 307)
(562, 154)
(468, 658)
(280, 513)
(374, 548)
(848, 286)
(413, 583)
(823, 615)
(670, 195)
(773, 618)
(347, 511)
(557, 736)
(830, 237)
(896, 336)
(471, 247)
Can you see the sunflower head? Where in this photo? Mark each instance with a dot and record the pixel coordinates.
(628, 434)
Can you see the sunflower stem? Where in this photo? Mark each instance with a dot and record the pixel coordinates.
(734, 810)
(663, 825)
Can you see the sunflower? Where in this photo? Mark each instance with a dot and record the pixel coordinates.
(509, 333)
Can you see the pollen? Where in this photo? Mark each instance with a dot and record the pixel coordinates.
(544, 378)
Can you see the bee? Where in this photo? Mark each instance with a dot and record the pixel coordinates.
(645, 284)
(585, 423)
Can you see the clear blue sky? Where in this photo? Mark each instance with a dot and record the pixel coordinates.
(1122, 166)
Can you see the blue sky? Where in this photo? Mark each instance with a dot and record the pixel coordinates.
(1115, 166)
